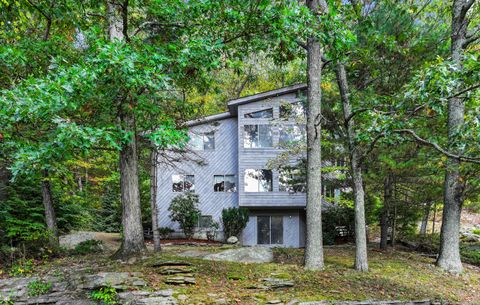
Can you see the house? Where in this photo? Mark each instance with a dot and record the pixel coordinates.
(235, 148)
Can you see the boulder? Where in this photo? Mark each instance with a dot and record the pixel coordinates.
(243, 255)
(470, 237)
(70, 241)
(232, 240)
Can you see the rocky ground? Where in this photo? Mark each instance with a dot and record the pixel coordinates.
(235, 275)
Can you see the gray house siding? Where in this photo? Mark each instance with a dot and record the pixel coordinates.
(230, 157)
(257, 158)
(293, 227)
(222, 160)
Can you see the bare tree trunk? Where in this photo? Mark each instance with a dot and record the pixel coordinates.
(434, 217)
(449, 256)
(314, 241)
(426, 214)
(133, 242)
(50, 218)
(384, 217)
(153, 200)
(361, 260)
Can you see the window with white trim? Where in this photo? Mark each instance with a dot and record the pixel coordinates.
(257, 136)
(202, 141)
(224, 183)
(258, 180)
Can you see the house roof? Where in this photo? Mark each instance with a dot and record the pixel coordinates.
(233, 104)
(210, 118)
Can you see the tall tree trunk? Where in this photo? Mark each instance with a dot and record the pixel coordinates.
(153, 200)
(314, 241)
(361, 260)
(384, 217)
(426, 215)
(449, 256)
(434, 217)
(133, 242)
(50, 218)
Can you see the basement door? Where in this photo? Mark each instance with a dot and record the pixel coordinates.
(269, 230)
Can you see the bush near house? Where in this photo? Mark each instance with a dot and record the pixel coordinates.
(234, 221)
(184, 210)
(165, 232)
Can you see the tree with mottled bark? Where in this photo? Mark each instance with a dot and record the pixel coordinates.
(314, 240)
(361, 260)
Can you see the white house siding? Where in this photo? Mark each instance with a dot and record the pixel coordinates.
(222, 160)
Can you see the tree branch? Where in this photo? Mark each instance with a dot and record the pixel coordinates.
(437, 147)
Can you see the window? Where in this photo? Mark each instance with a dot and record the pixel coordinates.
(258, 180)
(204, 221)
(183, 183)
(328, 190)
(224, 183)
(292, 181)
(205, 141)
(262, 114)
(292, 133)
(257, 136)
(269, 230)
(291, 111)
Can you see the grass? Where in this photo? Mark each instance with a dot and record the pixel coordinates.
(393, 275)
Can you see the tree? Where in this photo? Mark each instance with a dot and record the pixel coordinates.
(449, 255)
(314, 241)
(184, 210)
(234, 220)
(361, 260)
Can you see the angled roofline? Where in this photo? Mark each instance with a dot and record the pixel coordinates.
(210, 118)
(233, 104)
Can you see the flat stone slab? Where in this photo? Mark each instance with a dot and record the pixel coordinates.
(243, 255)
(419, 302)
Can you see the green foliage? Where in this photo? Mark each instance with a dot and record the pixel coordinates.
(22, 267)
(165, 232)
(87, 247)
(184, 210)
(476, 231)
(234, 220)
(105, 296)
(38, 287)
(336, 216)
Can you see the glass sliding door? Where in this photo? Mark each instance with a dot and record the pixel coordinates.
(269, 230)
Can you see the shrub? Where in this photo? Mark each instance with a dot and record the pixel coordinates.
(476, 232)
(333, 217)
(38, 287)
(88, 246)
(234, 221)
(184, 210)
(165, 232)
(105, 295)
(22, 267)
(212, 229)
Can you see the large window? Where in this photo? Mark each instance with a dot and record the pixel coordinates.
(203, 141)
(290, 134)
(291, 111)
(224, 183)
(269, 230)
(257, 136)
(262, 114)
(258, 180)
(292, 181)
(183, 183)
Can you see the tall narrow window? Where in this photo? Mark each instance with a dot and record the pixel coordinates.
(258, 180)
(257, 136)
(224, 183)
(262, 114)
(204, 141)
(183, 183)
(269, 230)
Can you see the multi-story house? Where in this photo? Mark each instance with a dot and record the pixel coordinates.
(235, 148)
